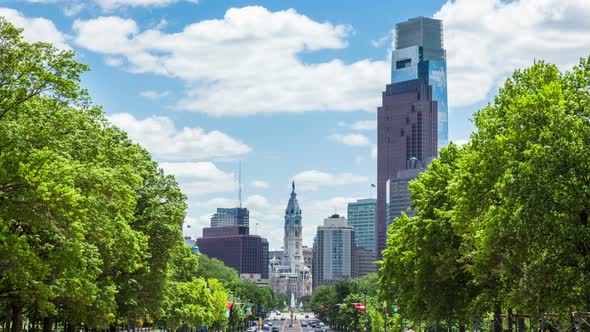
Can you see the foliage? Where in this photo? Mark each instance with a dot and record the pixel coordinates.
(502, 223)
(214, 268)
(89, 225)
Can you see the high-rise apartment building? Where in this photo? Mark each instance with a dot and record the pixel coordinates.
(362, 216)
(231, 217)
(412, 121)
(333, 251)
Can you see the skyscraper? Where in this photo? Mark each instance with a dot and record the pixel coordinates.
(412, 121)
(361, 216)
(333, 251)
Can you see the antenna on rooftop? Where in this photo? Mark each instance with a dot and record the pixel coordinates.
(240, 186)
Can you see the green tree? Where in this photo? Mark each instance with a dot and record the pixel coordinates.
(423, 267)
(522, 193)
(214, 268)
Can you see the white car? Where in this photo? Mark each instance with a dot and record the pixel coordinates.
(251, 329)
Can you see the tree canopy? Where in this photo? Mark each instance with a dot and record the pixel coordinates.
(501, 223)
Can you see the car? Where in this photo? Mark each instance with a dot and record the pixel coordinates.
(269, 323)
(303, 324)
(312, 324)
(275, 329)
(306, 316)
(321, 324)
(251, 329)
(265, 327)
(282, 317)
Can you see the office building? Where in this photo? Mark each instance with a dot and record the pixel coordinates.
(265, 258)
(362, 216)
(412, 121)
(398, 195)
(333, 251)
(231, 217)
(236, 248)
(364, 262)
(307, 256)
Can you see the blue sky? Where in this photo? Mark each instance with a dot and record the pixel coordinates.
(290, 88)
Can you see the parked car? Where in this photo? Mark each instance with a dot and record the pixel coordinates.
(251, 329)
(275, 329)
(269, 323)
(303, 324)
(306, 316)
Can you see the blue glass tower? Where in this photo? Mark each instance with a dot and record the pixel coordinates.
(419, 53)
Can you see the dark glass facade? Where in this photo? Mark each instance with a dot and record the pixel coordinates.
(406, 130)
(236, 248)
(412, 123)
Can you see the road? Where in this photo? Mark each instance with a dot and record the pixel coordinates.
(300, 324)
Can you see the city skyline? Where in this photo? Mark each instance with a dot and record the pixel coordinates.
(201, 144)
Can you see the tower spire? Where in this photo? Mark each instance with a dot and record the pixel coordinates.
(293, 184)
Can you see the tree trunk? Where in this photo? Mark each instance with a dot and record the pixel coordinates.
(461, 327)
(47, 324)
(498, 318)
(17, 318)
(510, 327)
(520, 324)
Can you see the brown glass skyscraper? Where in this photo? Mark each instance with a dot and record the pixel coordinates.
(412, 121)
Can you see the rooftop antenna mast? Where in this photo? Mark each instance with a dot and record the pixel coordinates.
(240, 186)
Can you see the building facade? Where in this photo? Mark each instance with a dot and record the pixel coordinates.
(236, 248)
(231, 217)
(362, 216)
(364, 262)
(307, 256)
(333, 251)
(398, 195)
(412, 121)
(289, 275)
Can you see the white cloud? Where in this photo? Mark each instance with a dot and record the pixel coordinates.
(220, 58)
(113, 4)
(260, 184)
(113, 61)
(313, 180)
(364, 125)
(73, 9)
(351, 139)
(461, 142)
(214, 203)
(153, 95)
(194, 226)
(35, 29)
(159, 135)
(198, 178)
(487, 39)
